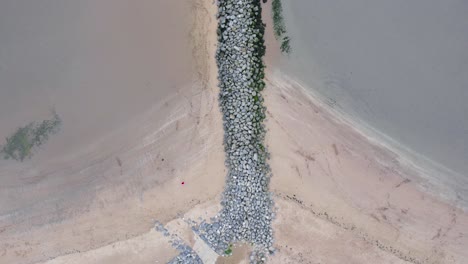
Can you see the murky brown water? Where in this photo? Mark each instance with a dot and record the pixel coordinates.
(97, 63)
(397, 65)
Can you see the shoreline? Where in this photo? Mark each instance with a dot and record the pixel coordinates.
(416, 166)
(178, 139)
(333, 172)
(359, 67)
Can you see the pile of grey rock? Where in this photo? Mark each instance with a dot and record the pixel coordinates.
(247, 204)
(186, 256)
(186, 253)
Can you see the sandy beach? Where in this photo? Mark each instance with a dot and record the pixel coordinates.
(339, 198)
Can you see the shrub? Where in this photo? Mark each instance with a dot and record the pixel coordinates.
(228, 251)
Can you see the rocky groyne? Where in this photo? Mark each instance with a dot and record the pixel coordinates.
(247, 205)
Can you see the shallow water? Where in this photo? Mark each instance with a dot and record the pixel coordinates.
(398, 65)
(106, 67)
(97, 63)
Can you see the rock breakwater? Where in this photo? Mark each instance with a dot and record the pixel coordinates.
(247, 204)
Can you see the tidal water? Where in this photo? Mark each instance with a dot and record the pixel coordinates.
(399, 66)
(97, 63)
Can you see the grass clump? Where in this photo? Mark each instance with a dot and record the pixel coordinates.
(21, 144)
(279, 27)
(228, 251)
(285, 47)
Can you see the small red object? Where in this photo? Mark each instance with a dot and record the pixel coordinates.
(183, 183)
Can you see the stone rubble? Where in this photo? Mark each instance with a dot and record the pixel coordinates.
(186, 255)
(247, 204)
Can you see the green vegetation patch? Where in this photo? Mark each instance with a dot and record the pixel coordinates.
(21, 144)
(285, 47)
(228, 251)
(279, 27)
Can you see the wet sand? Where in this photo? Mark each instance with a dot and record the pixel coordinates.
(339, 198)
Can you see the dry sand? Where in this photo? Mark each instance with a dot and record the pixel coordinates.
(339, 198)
